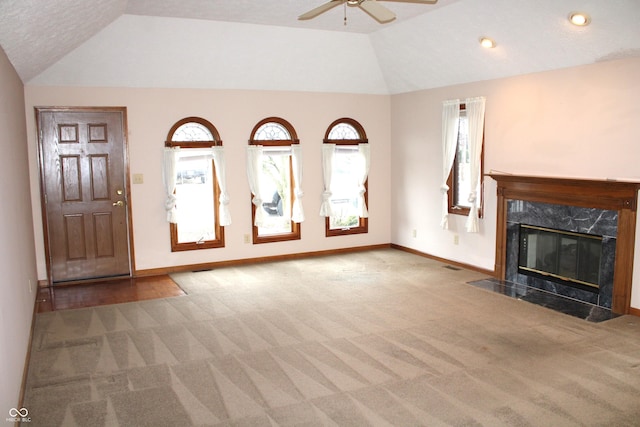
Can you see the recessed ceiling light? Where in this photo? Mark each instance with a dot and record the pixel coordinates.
(488, 43)
(580, 19)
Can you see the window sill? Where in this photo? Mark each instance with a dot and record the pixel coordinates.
(463, 211)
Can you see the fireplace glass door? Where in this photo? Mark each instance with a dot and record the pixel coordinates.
(560, 256)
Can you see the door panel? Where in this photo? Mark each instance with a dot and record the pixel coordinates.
(83, 176)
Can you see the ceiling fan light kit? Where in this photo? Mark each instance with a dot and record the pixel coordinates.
(371, 7)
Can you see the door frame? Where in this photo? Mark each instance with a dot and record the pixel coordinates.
(43, 195)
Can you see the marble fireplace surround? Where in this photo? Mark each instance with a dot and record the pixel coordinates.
(574, 219)
(619, 196)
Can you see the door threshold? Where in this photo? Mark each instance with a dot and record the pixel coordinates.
(91, 280)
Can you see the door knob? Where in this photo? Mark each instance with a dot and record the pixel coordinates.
(118, 203)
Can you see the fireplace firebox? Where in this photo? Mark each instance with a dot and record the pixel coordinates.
(560, 256)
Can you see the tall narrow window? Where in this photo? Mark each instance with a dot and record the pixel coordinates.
(345, 164)
(465, 180)
(195, 185)
(274, 169)
(461, 173)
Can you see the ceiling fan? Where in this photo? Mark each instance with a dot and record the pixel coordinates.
(372, 7)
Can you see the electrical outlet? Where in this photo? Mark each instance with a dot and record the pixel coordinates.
(138, 178)
(246, 238)
(456, 239)
(30, 287)
(414, 233)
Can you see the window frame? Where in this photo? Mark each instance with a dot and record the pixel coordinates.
(295, 233)
(363, 223)
(217, 142)
(452, 194)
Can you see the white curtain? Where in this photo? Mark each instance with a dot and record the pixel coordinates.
(254, 168)
(224, 216)
(328, 151)
(475, 115)
(296, 157)
(169, 176)
(450, 121)
(363, 173)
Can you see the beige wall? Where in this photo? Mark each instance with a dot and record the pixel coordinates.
(17, 263)
(574, 122)
(151, 113)
(577, 122)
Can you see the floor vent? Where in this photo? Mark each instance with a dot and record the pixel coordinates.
(451, 267)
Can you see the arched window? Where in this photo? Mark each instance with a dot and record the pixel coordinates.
(195, 184)
(274, 161)
(345, 167)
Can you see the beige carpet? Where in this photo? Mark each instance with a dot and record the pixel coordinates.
(379, 338)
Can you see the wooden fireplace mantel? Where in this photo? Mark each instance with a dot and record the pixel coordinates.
(621, 196)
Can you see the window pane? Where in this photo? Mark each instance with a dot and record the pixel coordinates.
(344, 186)
(194, 191)
(275, 186)
(463, 165)
(343, 131)
(272, 131)
(192, 131)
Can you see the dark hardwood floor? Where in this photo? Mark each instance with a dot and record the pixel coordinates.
(114, 291)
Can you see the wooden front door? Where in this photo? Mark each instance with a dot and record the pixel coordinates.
(83, 176)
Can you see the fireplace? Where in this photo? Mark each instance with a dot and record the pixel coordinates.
(562, 249)
(611, 208)
(564, 257)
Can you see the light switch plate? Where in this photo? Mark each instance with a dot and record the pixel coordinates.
(138, 178)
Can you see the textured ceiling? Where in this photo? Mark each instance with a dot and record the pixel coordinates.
(35, 33)
(278, 12)
(260, 44)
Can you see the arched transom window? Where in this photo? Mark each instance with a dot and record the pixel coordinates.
(194, 131)
(345, 166)
(272, 131)
(196, 192)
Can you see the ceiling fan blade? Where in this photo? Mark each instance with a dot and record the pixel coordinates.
(415, 1)
(378, 12)
(319, 10)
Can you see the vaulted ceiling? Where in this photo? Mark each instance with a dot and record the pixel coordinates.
(260, 44)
